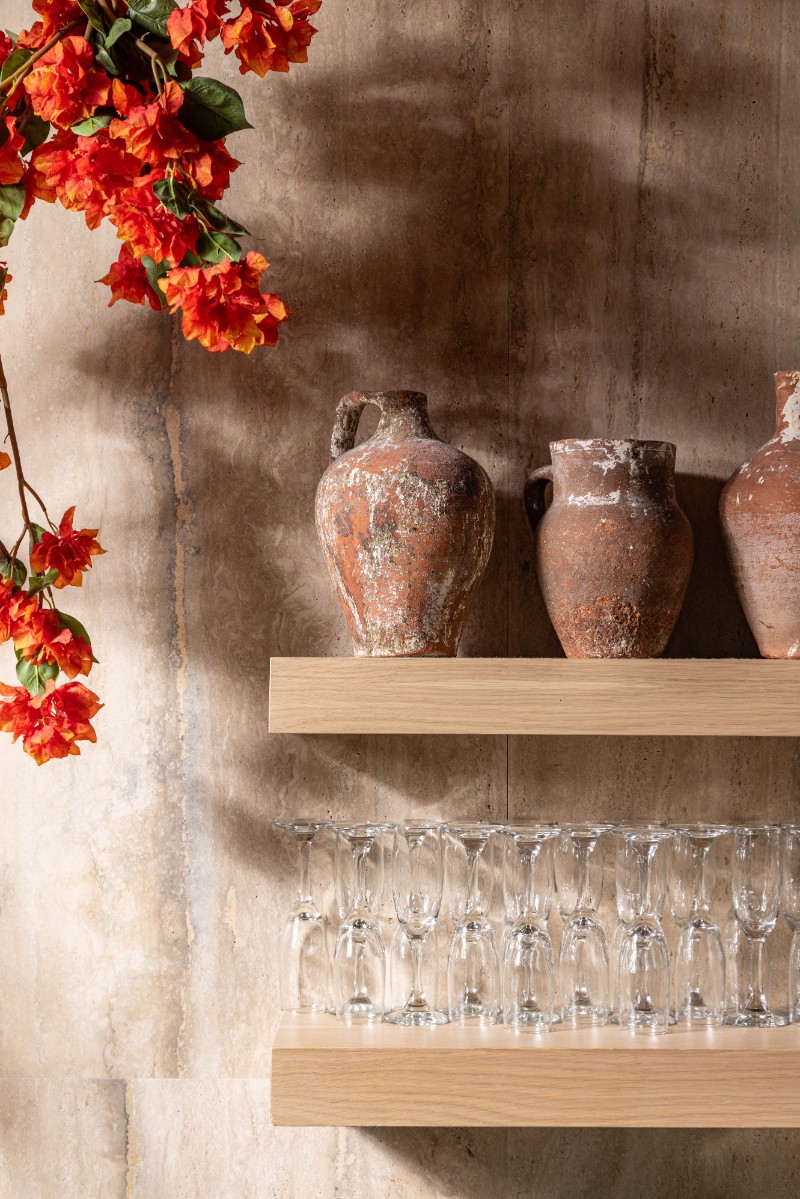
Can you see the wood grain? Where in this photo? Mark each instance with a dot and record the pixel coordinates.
(324, 1073)
(693, 697)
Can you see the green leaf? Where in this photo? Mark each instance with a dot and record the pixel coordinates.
(36, 132)
(91, 125)
(38, 532)
(18, 573)
(215, 247)
(92, 11)
(12, 199)
(174, 196)
(106, 61)
(211, 109)
(120, 26)
(214, 217)
(152, 15)
(35, 676)
(15, 60)
(156, 271)
(75, 627)
(37, 582)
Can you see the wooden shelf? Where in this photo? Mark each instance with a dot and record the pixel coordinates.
(326, 1073)
(671, 697)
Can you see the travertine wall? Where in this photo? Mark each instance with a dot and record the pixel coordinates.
(557, 219)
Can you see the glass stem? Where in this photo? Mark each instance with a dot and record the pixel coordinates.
(756, 999)
(417, 998)
(304, 861)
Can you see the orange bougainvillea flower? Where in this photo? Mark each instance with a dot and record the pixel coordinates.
(50, 724)
(5, 278)
(199, 21)
(5, 459)
(16, 608)
(41, 640)
(86, 174)
(267, 38)
(70, 552)
(222, 306)
(12, 168)
(64, 86)
(128, 280)
(141, 219)
(151, 131)
(55, 15)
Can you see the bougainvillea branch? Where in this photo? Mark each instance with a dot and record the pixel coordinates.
(101, 109)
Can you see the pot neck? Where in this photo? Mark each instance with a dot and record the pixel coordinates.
(403, 414)
(787, 397)
(613, 468)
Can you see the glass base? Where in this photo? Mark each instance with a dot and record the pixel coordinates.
(644, 1023)
(360, 1009)
(527, 1022)
(757, 1019)
(416, 1018)
(699, 1014)
(585, 1014)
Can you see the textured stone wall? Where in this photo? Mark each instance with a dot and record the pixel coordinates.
(557, 219)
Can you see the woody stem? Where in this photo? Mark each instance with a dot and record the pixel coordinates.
(12, 437)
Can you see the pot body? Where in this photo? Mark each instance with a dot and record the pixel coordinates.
(614, 550)
(406, 524)
(760, 513)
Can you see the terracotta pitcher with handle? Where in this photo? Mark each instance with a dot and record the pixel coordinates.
(613, 550)
(406, 524)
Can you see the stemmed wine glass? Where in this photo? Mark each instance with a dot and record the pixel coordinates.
(359, 961)
(790, 906)
(756, 888)
(700, 956)
(644, 956)
(417, 877)
(583, 961)
(304, 975)
(528, 974)
(472, 968)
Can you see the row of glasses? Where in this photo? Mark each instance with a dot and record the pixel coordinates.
(520, 984)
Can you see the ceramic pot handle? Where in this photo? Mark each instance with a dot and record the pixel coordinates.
(535, 488)
(348, 414)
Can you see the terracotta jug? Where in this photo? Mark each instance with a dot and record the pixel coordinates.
(406, 524)
(613, 550)
(760, 511)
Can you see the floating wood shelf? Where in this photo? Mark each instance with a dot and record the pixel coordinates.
(326, 1073)
(665, 696)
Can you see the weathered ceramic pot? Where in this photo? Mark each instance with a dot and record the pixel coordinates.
(406, 524)
(760, 511)
(613, 550)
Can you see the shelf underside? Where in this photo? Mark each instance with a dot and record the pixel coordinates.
(327, 1073)
(528, 696)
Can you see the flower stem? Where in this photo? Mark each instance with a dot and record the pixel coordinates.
(12, 437)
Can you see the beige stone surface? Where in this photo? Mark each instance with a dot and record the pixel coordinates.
(557, 220)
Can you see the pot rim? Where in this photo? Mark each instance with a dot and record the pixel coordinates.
(613, 443)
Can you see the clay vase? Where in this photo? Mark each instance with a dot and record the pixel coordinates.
(760, 511)
(406, 524)
(613, 551)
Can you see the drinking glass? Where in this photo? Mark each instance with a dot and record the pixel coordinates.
(417, 876)
(304, 973)
(756, 889)
(700, 956)
(625, 859)
(359, 960)
(528, 974)
(790, 906)
(644, 956)
(472, 969)
(400, 972)
(583, 961)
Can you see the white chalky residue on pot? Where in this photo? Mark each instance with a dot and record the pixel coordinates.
(594, 500)
(791, 414)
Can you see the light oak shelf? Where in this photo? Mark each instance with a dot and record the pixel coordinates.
(327, 1073)
(667, 697)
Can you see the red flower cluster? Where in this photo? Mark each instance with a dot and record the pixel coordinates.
(222, 305)
(49, 719)
(141, 143)
(51, 723)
